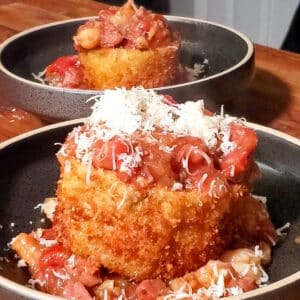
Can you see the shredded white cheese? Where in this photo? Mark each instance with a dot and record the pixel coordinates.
(34, 282)
(261, 199)
(60, 275)
(177, 186)
(21, 263)
(258, 252)
(122, 112)
(49, 206)
(71, 261)
(38, 235)
(280, 230)
(39, 76)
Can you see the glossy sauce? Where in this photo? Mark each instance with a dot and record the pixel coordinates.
(126, 27)
(175, 162)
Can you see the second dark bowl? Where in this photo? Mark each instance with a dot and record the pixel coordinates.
(229, 53)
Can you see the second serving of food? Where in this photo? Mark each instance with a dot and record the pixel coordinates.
(122, 47)
(154, 201)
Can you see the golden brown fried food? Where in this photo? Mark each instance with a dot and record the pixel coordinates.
(138, 234)
(144, 197)
(108, 68)
(128, 46)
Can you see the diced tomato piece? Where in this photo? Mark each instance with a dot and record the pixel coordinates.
(107, 153)
(236, 162)
(62, 63)
(49, 233)
(65, 71)
(54, 256)
(189, 155)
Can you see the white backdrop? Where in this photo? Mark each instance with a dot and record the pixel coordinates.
(265, 21)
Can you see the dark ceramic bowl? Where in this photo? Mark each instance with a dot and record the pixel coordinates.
(229, 53)
(29, 172)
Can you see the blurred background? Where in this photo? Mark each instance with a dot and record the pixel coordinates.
(274, 23)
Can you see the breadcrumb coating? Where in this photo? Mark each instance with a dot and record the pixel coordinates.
(108, 68)
(153, 233)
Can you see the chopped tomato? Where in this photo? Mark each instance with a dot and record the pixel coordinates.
(129, 27)
(65, 71)
(189, 155)
(62, 63)
(149, 28)
(54, 256)
(107, 153)
(49, 233)
(236, 162)
(167, 159)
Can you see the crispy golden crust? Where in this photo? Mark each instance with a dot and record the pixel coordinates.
(138, 234)
(111, 68)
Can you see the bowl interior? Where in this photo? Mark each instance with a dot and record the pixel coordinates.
(29, 173)
(202, 42)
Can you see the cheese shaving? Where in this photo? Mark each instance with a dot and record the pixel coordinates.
(280, 230)
(122, 112)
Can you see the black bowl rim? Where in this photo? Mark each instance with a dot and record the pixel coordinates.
(37, 295)
(249, 54)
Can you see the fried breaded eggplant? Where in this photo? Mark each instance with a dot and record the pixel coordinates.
(108, 68)
(139, 234)
(128, 46)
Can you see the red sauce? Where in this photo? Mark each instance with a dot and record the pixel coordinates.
(127, 27)
(169, 160)
(62, 274)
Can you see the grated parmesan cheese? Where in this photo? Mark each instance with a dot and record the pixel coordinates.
(71, 261)
(49, 206)
(60, 275)
(122, 112)
(258, 252)
(21, 263)
(261, 199)
(34, 282)
(39, 77)
(280, 230)
(177, 186)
